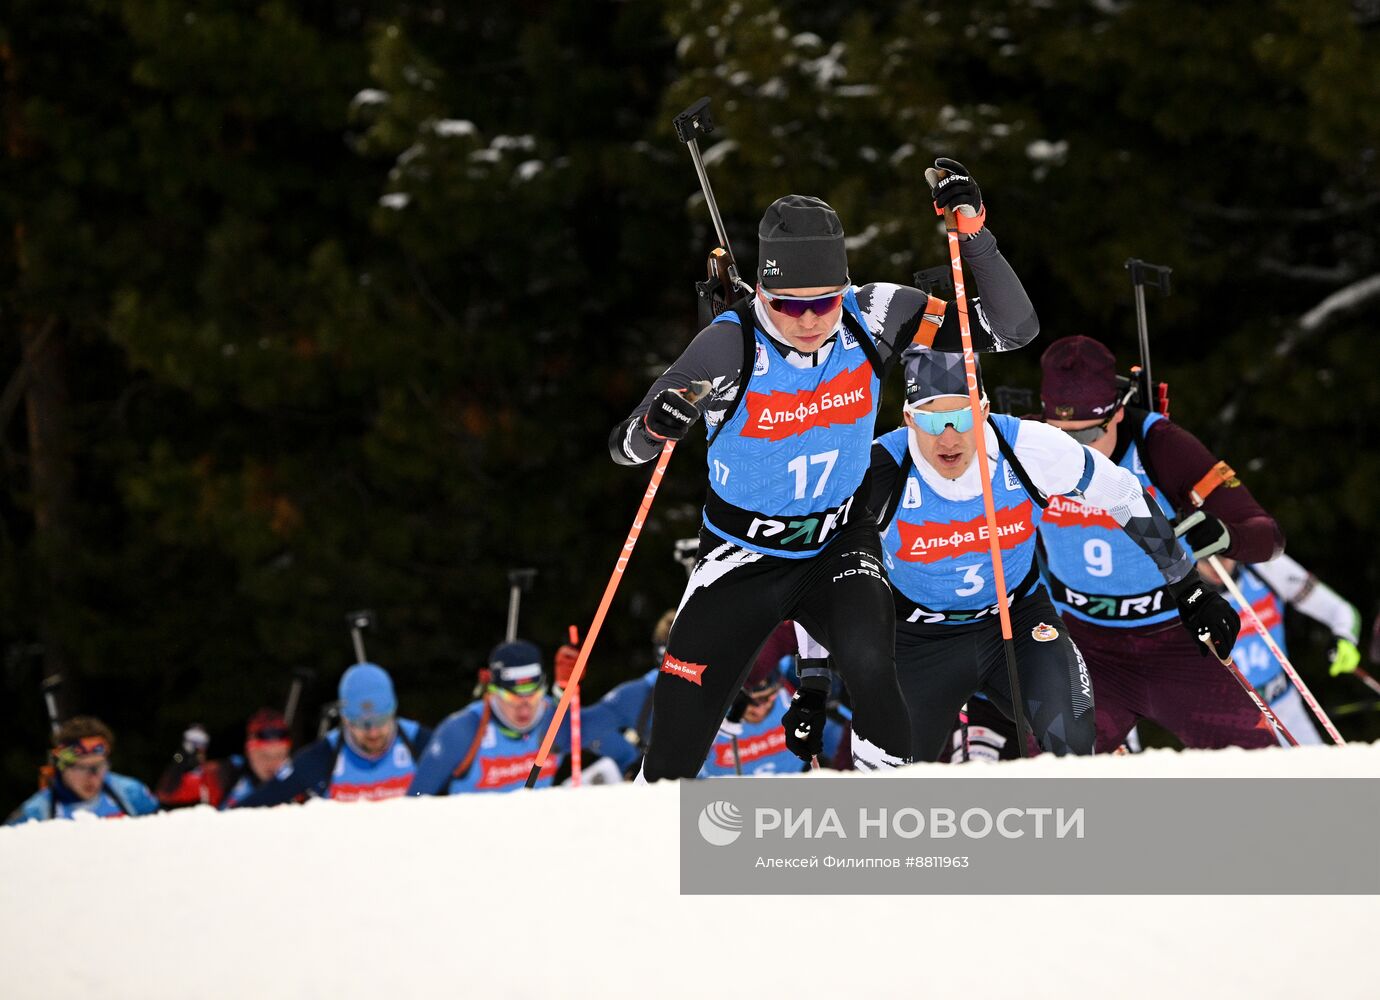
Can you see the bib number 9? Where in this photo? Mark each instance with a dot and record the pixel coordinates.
(1097, 554)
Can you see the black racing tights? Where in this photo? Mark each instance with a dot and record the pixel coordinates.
(734, 599)
(942, 666)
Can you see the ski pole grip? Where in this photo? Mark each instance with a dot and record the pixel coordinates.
(1155, 275)
(694, 122)
(696, 391)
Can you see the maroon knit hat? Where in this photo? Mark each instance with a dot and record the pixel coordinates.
(1078, 380)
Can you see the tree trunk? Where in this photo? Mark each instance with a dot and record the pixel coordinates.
(51, 475)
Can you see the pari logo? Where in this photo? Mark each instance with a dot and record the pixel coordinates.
(721, 823)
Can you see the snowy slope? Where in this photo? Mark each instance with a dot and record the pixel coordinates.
(575, 894)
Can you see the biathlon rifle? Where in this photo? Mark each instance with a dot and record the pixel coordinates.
(722, 286)
(1152, 395)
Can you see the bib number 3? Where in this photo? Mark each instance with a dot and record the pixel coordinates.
(973, 580)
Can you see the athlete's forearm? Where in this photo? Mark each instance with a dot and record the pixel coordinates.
(1311, 596)
(883, 479)
(1005, 312)
(1179, 461)
(714, 356)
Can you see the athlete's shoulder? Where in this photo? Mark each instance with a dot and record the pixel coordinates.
(1031, 436)
(134, 793)
(458, 727)
(312, 758)
(885, 304)
(1010, 427)
(32, 809)
(1171, 448)
(879, 297)
(725, 327)
(895, 443)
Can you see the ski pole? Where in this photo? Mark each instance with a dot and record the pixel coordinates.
(1265, 710)
(696, 391)
(519, 583)
(1367, 680)
(989, 505)
(1259, 626)
(964, 744)
(576, 755)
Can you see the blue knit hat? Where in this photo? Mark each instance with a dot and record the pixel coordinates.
(366, 691)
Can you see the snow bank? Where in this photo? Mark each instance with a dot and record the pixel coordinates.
(570, 893)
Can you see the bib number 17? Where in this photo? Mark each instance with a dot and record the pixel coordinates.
(800, 465)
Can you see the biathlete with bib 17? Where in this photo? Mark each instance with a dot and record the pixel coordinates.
(795, 374)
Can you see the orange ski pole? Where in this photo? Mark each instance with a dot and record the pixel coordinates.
(989, 505)
(694, 394)
(576, 760)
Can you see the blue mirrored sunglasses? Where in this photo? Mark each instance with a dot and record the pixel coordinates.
(934, 421)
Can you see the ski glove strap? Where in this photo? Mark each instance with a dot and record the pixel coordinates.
(804, 724)
(1206, 614)
(964, 223)
(814, 674)
(671, 415)
(1205, 534)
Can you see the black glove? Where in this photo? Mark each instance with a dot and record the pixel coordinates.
(671, 415)
(1205, 534)
(1206, 614)
(804, 724)
(804, 720)
(957, 191)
